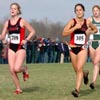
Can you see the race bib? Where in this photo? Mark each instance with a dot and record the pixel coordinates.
(98, 31)
(15, 38)
(79, 38)
(98, 26)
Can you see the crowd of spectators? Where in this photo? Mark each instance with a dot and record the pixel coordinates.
(41, 50)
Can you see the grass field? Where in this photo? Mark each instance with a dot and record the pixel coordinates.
(47, 82)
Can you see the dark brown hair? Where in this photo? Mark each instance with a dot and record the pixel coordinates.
(79, 4)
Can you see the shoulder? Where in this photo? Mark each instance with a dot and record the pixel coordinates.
(90, 18)
(88, 22)
(71, 22)
(6, 23)
(23, 21)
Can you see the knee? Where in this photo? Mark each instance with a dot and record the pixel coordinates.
(96, 63)
(79, 70)
(16, 69)
(12, 71)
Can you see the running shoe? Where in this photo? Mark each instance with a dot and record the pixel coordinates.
(92, 86)
(25, 74)
(75, 93)
(85, 76)
(99, 71)
(17, 91)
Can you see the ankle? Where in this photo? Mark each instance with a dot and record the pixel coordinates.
(77, 90)
(18, 89)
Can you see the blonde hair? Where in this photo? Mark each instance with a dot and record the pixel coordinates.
(18, 6)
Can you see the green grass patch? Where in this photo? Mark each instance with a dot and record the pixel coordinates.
(47, 82)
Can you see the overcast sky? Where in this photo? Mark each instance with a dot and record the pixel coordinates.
(54, 10)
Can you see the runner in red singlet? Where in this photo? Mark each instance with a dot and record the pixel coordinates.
(78, 28)
(15, 27)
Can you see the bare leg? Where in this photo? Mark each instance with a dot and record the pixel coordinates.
(15, 65)
(78, 67)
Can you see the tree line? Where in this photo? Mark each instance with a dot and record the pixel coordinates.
(44, 28)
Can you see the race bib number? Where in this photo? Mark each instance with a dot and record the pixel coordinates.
(98, 31)
(98, 26)
(79, 38)
(15, 38)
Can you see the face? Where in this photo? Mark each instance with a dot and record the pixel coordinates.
(79, 11)
(14, 10)
(96, 12)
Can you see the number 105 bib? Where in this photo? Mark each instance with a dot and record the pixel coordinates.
(79, 39)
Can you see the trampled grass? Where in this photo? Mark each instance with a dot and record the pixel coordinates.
(47, 82)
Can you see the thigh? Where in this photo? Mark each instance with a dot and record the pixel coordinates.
(92, 53)
(81, 59)
(20, 58)
(73, 60)
(97, 55)
(11, 58)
